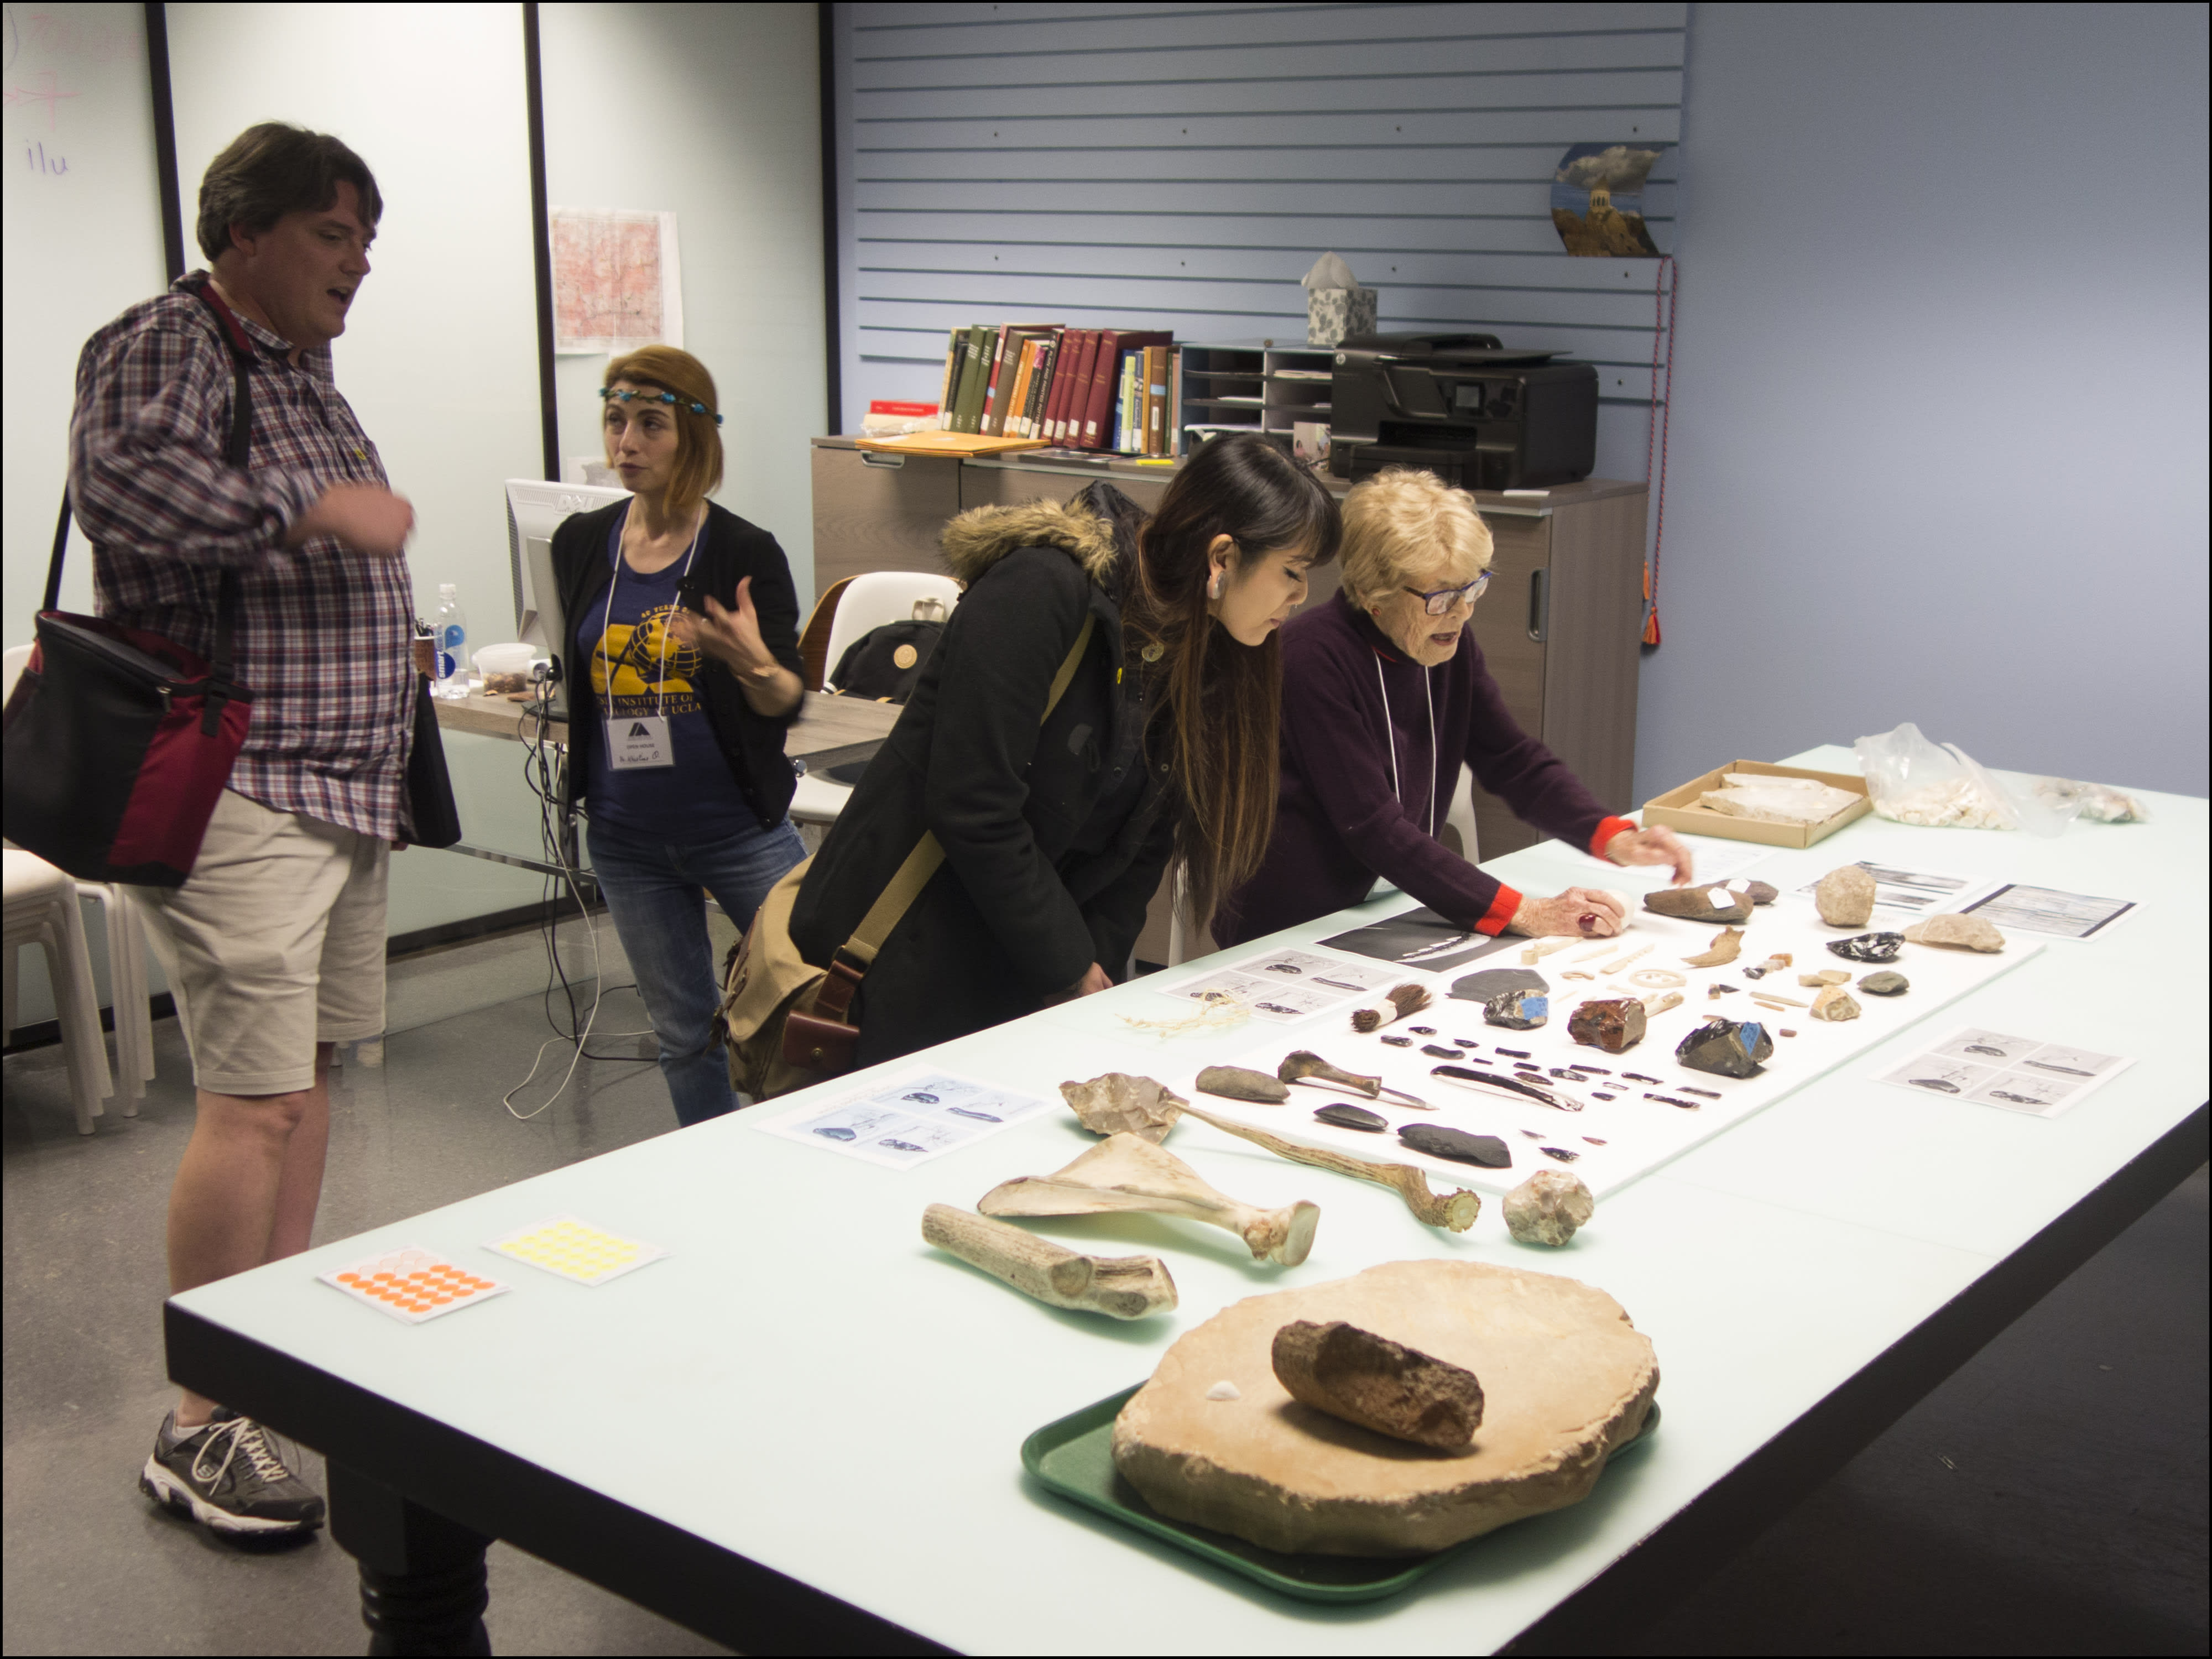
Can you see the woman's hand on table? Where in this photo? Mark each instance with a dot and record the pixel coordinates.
(1578, 912)
(1095, 979)
(1652, 846)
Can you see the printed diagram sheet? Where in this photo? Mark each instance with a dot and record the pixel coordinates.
(1913, 892)
(2015, 1073)
(2046, 910)
(1639, 1108)
(922, 1115)
(1284, 985)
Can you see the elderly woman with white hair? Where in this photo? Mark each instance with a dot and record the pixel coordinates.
(1384, 695)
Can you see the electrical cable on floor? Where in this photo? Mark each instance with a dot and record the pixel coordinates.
(538, 773)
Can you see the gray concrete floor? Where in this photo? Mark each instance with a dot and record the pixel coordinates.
(2050, 1498)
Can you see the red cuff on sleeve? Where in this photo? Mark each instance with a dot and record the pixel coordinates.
(1493, 920)
(1606, 829)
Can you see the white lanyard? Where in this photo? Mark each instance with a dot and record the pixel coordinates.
(643, 739)
(1390, 740)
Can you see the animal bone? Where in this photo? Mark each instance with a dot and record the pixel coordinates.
(1615, 966)
(1303, 1065)
(1725, 945)
(1662, 1003)
(1542, 948)
(1770, 996)
(1454, 1210)
(1577, 973)
(1656, 979)
(1123, 1173)
(1242, 1083)
(1401, 1001)
(1120, 1286)
(1117, 1102)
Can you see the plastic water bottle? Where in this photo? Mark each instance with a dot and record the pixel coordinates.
(449, 628)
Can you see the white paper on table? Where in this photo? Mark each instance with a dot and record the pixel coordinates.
(2045, 910)
(918, 1114)
(2016, 1073)
(1614, 1141)
(1286, 985)
(1915, 892)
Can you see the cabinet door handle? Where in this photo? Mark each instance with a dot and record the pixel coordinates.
(878, 457)
(1540, 604)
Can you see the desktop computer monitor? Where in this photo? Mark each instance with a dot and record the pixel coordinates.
(534, 510)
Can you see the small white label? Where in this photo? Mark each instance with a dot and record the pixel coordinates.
(638, 741)
(1720, 898)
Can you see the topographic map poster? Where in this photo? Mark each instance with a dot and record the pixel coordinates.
(617, 283)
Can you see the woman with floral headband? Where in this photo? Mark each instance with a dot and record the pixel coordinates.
(682, 676)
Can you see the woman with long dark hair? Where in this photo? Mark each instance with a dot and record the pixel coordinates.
(1055, 835)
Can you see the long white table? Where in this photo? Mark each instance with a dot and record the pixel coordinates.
(801, 1432)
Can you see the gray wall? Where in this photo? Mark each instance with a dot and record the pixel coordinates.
(1939, 406)
(1181, 167)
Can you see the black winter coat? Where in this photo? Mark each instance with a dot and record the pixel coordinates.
(751, 742)
(1055, 839)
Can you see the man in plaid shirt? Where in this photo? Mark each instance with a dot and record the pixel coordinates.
(274, 945)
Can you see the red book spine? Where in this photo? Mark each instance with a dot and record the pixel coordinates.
(1098, 417)
(1072, 378)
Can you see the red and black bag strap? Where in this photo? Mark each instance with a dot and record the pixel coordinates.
(236, 450)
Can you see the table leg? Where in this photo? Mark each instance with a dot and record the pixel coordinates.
(421, 1576)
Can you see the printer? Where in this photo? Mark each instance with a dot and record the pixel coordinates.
(1463, 407)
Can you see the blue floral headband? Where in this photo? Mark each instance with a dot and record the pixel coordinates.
(668, 397)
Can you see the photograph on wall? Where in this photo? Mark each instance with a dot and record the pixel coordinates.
(617, 283)
(1597, 200)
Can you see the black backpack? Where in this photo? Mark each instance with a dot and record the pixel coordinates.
(885, 663)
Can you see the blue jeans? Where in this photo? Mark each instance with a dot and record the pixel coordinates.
(655, 893)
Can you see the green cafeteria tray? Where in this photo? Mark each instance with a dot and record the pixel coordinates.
(1074, 1456)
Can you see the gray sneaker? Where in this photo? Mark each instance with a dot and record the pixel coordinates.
(229, 1478)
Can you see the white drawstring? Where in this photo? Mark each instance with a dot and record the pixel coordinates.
(1390, 742)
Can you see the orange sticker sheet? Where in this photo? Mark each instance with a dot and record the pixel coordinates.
(413, 1284)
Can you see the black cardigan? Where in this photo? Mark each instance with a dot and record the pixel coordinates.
(751, 742)
(1048, 860)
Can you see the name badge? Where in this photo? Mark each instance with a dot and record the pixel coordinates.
(638, 741)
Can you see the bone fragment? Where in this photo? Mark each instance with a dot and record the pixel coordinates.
(1123, 1173)
(1542, 948)
(1117, 1102)
(1121, 1287)
(1619, 963)
(1825, 977)
(1662, 1003)
(1379, 1384)
(1725, 945)
(1769, 996)
(1454, 1210)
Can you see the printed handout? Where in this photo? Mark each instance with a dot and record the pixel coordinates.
(2048, 911)
(2015, 1073)
(909, 1121)
(1284, 985)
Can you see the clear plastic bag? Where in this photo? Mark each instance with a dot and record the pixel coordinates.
(1913, 780)
(2099, 803)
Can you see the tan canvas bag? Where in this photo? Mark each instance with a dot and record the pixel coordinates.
(783, 1019)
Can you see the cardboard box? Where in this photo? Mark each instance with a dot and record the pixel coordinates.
(1678, 809)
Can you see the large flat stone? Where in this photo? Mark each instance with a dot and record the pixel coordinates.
(1565, 1379)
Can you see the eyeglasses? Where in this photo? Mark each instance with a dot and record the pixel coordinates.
(1444, 598)
(668, 397)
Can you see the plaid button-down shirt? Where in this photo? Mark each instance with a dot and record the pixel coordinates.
(322, 630)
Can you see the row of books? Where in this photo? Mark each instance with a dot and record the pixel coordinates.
(1076, 388)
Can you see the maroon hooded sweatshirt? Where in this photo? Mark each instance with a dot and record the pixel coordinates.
(1343, 818)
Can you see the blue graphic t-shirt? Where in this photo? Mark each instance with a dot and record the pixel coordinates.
(637, 667)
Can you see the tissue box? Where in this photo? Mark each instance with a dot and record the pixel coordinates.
(1334, 313)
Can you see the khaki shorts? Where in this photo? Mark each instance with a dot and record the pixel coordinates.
(275, 944)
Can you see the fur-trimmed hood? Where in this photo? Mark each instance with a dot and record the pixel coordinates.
(978, 538)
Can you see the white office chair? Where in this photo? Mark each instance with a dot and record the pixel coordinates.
(865, 602)
(41, 909)
(127, 950)
(880, 597)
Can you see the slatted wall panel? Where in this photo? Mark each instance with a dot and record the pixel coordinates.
(1179, 167)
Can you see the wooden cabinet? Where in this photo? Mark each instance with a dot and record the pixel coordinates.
(1558, 625)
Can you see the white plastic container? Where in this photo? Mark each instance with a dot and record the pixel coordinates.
(505, 668)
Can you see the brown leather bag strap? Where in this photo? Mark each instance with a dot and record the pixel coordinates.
(857, 953)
